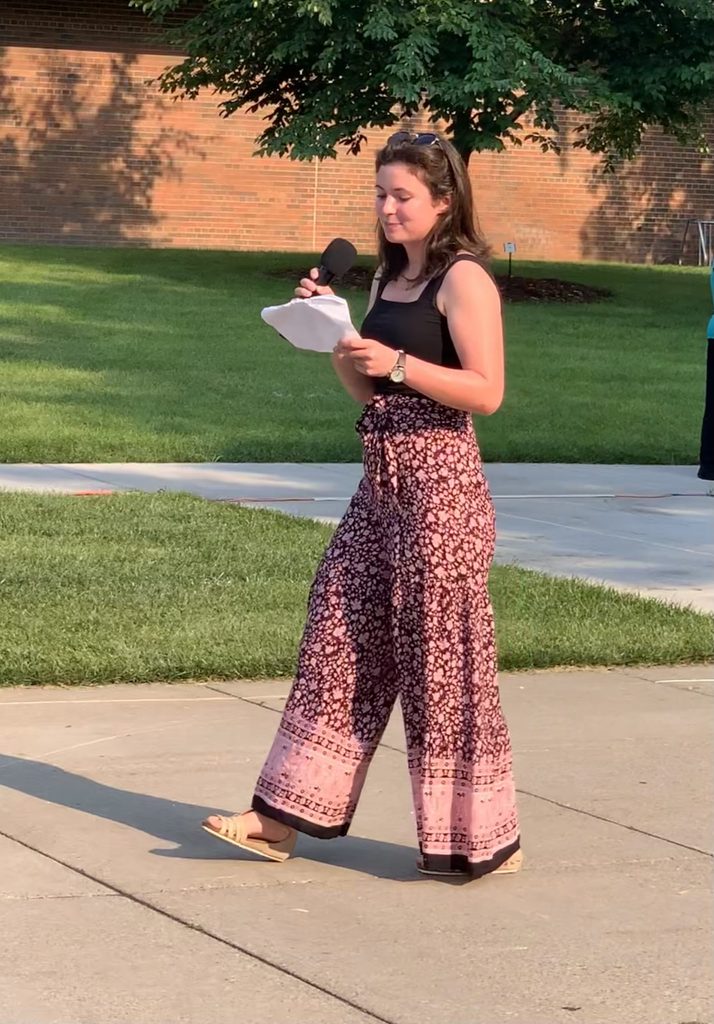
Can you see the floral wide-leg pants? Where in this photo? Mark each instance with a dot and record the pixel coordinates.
(400, 609)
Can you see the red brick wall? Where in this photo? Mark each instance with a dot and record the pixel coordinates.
(564, 207)
(91, 154)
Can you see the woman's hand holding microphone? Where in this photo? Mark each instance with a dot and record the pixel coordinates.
(309, 287)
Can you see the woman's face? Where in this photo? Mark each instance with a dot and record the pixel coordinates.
(404, 204)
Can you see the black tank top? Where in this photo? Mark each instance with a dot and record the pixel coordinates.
(417, 327)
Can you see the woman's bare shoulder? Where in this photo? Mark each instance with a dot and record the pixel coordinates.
(465, 277)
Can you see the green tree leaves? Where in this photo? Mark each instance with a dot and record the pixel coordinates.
(323, 72)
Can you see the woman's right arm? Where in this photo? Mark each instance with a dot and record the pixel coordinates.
(356, 385)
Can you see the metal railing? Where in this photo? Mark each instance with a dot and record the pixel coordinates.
(705, 248)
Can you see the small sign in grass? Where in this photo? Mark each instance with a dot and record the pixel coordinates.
(137, 587)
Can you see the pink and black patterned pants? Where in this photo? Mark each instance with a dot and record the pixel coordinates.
(400, 609)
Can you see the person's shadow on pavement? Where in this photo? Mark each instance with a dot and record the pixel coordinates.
(179, 823)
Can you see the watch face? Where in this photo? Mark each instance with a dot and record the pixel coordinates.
(397, 375)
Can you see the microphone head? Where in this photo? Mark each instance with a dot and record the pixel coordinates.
(338, 257)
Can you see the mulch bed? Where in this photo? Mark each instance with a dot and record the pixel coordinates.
(515, 289)
(548, 289)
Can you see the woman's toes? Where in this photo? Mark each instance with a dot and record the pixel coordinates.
(213, 821)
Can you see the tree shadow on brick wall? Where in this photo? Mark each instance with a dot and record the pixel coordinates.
(644, 206)
(78, 171)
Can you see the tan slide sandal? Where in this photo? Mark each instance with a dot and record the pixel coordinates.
(233, 830)
(509, 867)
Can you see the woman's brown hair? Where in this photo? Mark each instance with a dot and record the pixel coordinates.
(438, 164)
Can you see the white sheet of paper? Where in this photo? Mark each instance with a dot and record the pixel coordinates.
(316, 324)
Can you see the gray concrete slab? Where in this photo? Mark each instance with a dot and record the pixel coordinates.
(27, 875)
(531, 949)
(681, 677)
(275, 481)
(644, 529)
(249, 481)
(51, 479)
(695, 674)
(117, 693)
(611, 745)
(114, 961)
(610, 915)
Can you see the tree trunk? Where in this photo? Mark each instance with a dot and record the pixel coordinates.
(461, 136)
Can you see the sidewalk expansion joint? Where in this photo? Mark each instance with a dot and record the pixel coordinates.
(57, 896)
(619, 824)
(676, 684)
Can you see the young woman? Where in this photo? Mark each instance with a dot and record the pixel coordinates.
(400, 607)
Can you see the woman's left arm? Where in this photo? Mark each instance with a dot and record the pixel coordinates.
(472, 305)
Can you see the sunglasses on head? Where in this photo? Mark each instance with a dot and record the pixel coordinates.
(414, 139)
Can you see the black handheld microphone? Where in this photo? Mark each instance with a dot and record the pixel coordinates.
(336, 260)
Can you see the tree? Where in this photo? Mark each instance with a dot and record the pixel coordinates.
(495, 71)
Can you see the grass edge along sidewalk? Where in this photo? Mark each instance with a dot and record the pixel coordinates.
(164, 587)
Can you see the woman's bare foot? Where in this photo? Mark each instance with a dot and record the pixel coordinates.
(258, 826)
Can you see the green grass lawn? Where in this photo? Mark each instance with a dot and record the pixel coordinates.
(115, 355)
(137, 587)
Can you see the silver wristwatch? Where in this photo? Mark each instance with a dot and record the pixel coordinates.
(399, 372)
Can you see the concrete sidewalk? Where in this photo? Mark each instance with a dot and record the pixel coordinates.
(117, 908)
(648, 529)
